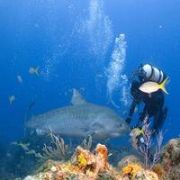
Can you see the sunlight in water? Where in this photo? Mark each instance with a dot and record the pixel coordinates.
(98, 27)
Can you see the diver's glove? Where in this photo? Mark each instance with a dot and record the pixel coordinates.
(141, 140)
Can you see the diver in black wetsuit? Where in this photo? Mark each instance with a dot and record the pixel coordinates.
(154, 102)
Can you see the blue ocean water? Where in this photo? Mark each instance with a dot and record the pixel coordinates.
(72, 42)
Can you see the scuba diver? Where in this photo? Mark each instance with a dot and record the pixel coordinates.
(147, 87)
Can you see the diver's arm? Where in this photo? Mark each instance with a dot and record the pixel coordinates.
(136, 99)
(131, 111)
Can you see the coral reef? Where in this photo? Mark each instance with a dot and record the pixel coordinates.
(135, 171)
(169, 166)
(158, 169)
(170, 162)
(128, 160)
(146, 175)
(131, 170)
(86, 165)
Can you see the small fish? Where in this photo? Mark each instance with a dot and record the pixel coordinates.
(150, 87)
(24, 146)
(19, 78)
(12, 99)
(34, 70)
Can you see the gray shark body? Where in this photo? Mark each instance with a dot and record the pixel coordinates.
(80, 120)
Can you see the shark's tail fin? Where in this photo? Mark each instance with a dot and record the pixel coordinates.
(28, 114)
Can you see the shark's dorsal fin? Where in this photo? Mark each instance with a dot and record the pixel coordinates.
(77, 98)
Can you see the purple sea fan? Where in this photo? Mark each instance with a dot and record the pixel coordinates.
(145, 147)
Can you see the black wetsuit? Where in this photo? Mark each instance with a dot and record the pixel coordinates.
(153, 106)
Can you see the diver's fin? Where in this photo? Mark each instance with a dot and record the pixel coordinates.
(163, 84)
(77, 98)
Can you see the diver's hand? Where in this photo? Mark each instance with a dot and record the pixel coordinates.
(128, 120)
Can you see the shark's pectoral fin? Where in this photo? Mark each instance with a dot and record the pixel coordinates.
(96, 126)
(77, 98)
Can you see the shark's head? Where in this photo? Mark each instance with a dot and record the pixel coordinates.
(109, 125)
(36, 126)
(105, 122)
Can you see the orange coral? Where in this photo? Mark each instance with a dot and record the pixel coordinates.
(131, 169)
(102, 151)
(158, 169)
(91, 163)
(102, 157)
(84, 159)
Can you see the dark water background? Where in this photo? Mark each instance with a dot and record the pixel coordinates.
(51, 34)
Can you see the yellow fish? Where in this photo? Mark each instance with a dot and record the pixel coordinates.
(150, 87)
(136, 132)
(34, 70)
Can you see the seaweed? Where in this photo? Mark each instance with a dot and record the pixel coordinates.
(87, 143)
(57, 151)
